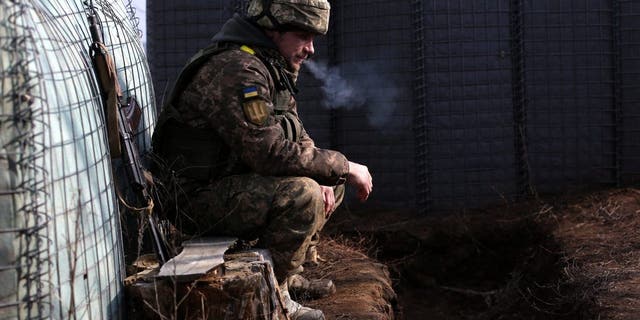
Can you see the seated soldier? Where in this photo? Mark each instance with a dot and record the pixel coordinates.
(231, 134)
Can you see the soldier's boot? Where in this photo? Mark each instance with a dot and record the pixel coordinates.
(301, 287)
(297, 311)
(312, 258)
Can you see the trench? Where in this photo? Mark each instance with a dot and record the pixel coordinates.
(481, 267)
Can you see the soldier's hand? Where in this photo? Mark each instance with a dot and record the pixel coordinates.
(360, 178)
(329, 200)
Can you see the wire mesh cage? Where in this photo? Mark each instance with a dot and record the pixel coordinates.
(467, 117)
(60, 237)
(524, 97)
(177, 30)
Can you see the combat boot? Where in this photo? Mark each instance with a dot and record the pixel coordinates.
(301, 287)
(295, 310)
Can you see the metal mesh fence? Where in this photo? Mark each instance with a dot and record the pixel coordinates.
(177, 30)
(627, 46)
(468, 103)
(569, 77)
(524, 97)
(62, 231)
(24, 255)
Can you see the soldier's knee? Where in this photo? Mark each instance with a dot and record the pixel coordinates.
(309, 190)
(308, 187)
(304, 194)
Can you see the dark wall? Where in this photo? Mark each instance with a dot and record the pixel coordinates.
(569, 76)
(458, 104)
(178, 29)
(468, 102)
(526, 97)
(627, 89)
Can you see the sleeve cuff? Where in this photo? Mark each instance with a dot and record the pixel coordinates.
(343, 177)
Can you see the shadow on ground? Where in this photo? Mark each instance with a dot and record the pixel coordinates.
(565, 258)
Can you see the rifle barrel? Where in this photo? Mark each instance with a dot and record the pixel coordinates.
(93, 28)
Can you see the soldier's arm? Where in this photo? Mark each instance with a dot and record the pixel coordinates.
(241, 110)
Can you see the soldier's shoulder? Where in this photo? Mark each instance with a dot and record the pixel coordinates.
(241, 57)
(242, 65)
(231, 68)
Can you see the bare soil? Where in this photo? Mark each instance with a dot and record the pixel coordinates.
(569, 257)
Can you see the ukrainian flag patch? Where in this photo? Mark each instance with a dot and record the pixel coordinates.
(250, 92)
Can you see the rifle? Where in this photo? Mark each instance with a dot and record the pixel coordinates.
(120, 133)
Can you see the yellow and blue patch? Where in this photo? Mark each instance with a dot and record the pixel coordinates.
(255, 109)
(250, 92)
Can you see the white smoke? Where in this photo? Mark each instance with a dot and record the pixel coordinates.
(339, 93)
(365, 88)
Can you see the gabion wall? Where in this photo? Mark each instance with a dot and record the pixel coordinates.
(458, 104)
(61, 253)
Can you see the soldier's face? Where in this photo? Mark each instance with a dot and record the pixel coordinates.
(294, 46)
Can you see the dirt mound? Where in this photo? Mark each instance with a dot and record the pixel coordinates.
(600, 233)
(363, 286)
(564, 258)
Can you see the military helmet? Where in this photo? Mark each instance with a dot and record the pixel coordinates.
(308, 15)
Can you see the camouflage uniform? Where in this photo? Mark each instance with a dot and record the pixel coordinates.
(243, 161)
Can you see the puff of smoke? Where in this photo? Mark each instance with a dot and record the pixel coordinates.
(339, 93)
(364, 87)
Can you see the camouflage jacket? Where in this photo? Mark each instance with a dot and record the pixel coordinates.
(233, 117)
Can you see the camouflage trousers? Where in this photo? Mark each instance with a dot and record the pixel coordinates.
(283, 213)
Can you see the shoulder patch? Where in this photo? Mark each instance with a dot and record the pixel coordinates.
(254, 107)
(255, 111)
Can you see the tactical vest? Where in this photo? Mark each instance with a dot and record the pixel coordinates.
(196, 153)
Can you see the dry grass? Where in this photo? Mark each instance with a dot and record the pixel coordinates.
(571, 257)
